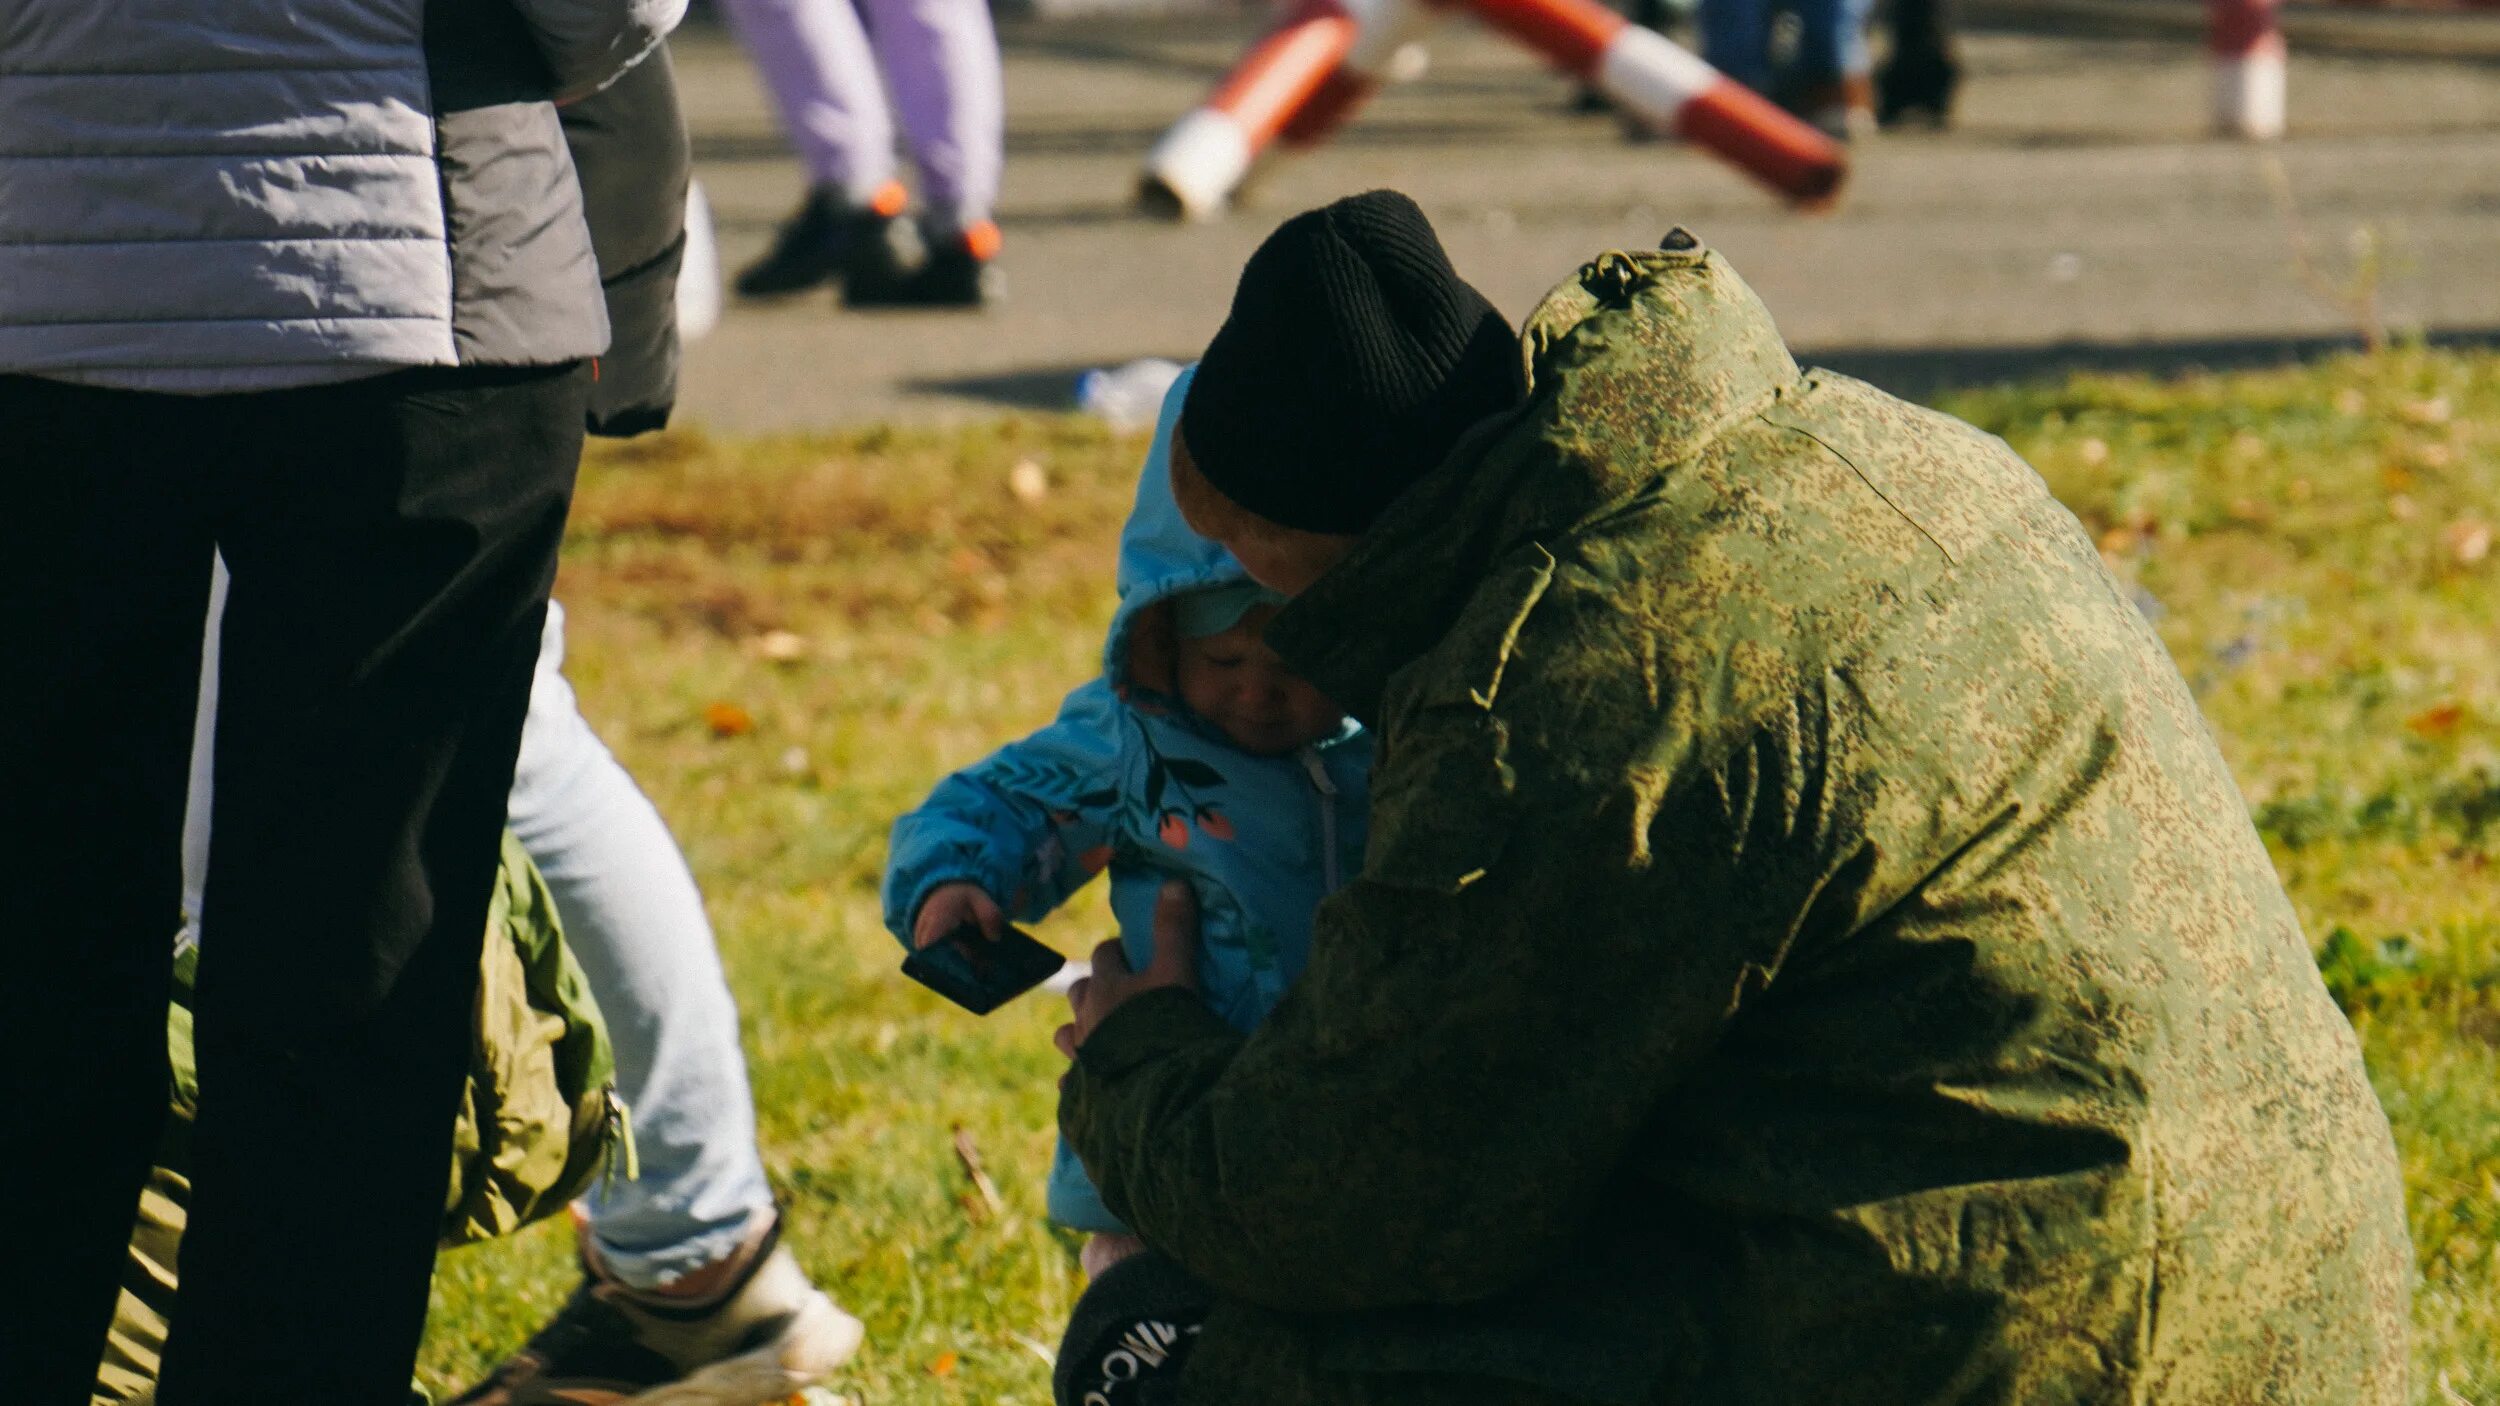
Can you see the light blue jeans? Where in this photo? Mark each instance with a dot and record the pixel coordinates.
(635, 921)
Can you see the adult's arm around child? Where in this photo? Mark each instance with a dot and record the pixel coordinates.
(1488, 1022)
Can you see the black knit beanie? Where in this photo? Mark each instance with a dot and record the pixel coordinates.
(1353, 359)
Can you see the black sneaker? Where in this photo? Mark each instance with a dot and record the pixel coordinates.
(1915, 88)
(764, 1337)
(828, 240)
(961, 271)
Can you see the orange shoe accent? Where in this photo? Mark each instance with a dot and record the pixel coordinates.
(890, 200)
(983, 239)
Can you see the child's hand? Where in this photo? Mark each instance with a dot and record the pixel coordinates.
(950, 906)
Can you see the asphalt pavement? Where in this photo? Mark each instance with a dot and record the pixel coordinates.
(2077, 214)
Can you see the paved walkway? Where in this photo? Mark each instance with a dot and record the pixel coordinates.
(2076, 215)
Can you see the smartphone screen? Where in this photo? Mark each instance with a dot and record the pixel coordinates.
(981, 973)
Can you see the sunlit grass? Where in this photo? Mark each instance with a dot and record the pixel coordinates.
(885, 606)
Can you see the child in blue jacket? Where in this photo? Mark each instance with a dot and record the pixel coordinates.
(1194, 756)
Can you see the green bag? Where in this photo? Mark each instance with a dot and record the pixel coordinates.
(538, 1122)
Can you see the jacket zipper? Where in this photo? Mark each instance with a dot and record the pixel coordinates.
(1312, 763)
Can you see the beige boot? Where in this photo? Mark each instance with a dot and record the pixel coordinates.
(746, 1331)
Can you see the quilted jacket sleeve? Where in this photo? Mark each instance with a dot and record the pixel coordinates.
(1030, 824)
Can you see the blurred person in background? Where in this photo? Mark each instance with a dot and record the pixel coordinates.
(304, 281)
(1826, 79)
(1918, 77)
(821, 60)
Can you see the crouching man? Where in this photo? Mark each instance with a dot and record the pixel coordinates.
(1809, 948)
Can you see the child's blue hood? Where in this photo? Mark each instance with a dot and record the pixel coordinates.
(1159, 556)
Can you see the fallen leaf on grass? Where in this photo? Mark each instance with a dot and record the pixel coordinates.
(2469, 541)
(2438, 722)
(1028, 482)
(944, 1364)
(781, 646)
(2433, 411)
(728, 720)
(970, 1156)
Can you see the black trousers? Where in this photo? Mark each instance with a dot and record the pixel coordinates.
(391, 543)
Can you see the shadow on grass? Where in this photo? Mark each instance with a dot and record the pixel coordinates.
(1917, 373)
(1045, 388)
(1922, 373)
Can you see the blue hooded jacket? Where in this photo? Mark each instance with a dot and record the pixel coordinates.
(1128, 780)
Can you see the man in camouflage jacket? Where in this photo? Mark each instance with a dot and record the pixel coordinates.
(1810, 949)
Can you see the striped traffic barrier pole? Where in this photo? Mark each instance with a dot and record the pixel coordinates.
(1388, 37)
(1670, 87)
(1198, 164)
(2248, 54)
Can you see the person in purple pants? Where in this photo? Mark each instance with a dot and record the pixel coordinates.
(831, 69)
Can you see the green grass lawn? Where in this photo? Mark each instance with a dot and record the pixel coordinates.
(790, 640)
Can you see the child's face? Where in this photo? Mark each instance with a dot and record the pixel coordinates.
(1236, 682)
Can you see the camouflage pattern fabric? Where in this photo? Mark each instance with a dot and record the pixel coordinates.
(1810, 948)
(539, 1119)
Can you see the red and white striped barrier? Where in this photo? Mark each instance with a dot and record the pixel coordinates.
(2249, 60)
(1304, 78)
(1387, 47)
(1670, 87)
(1197, 165)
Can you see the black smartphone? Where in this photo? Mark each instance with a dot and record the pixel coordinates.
(981, 973)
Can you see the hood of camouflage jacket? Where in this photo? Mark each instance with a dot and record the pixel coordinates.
(1708, 347)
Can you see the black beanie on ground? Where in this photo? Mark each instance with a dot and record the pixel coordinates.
(1353, 359)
